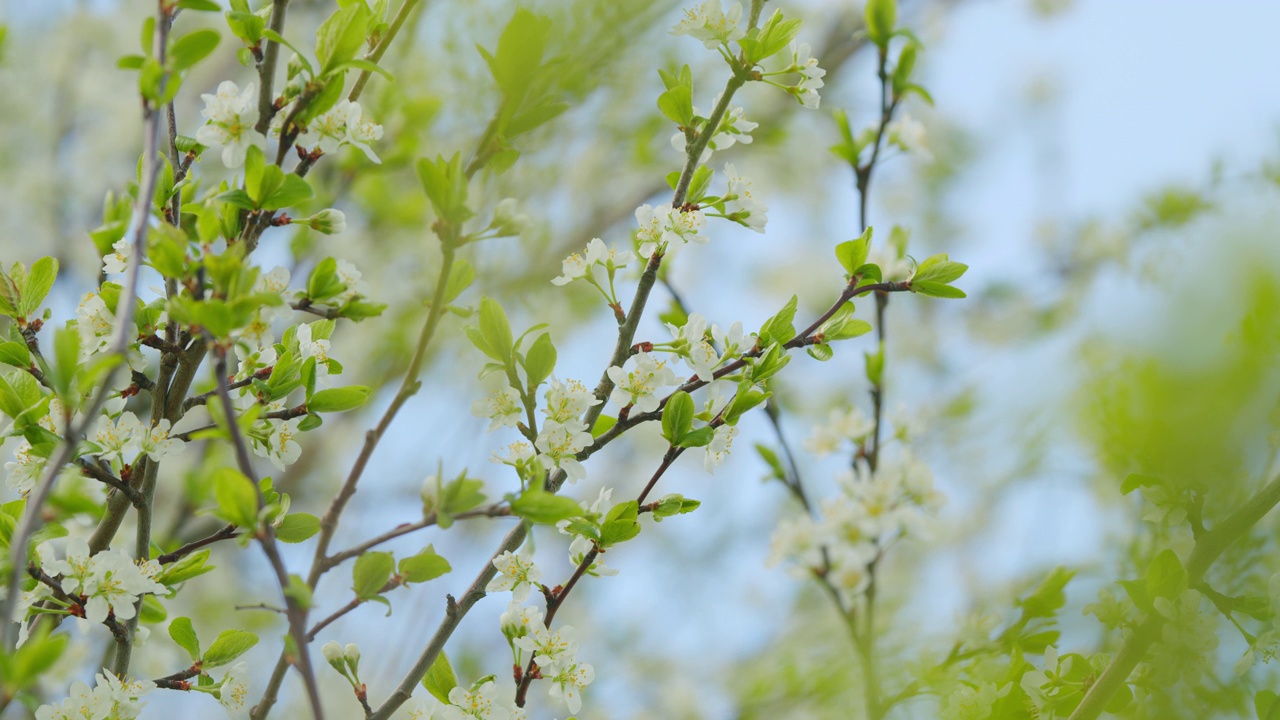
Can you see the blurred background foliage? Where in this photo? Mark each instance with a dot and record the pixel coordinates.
(1123, 319)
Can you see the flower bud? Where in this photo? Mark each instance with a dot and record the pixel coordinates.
(328, 221)
(353, 656)
(332, 652)
(295, 66)
(430, 494)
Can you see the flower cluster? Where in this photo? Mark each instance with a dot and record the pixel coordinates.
(806, 65)
(852, 528)
(662, 225)
(119, 441)
(343, 124)
(597, 265)
(691, 343)
(564, 433)
(230, 116)
(109, 582)
(111, 698)
(711, 24)
(553, 651)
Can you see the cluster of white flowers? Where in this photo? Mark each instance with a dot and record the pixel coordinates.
(843, 425)
(804, 63)
(711, 24)
(95, 321)
(109, 582)
(120, 441)
(662, 225)
(343, 124)
(274, 439)
(853, 527)
(564, 434)
(690, 342)
(597, 265)
(110, 699)
(554, 652)
(230, 115)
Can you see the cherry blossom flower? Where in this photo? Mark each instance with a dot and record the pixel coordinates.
(639, 386)
(711, 24)
(502, 409)
(516, 572)
(231, 114)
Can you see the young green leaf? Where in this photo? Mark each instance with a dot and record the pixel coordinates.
(338, 399)
(230, 645)
(297, 527)
(677, 417)
(371, 573)
(620, 524)
(440, 679)
(237, 499)
(539, 506)
(184, 634)
(426, 565)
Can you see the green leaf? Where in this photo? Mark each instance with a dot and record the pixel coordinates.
(603, 423)
(852, 254)
(341, 35)
(66, 353)
(292, 190)
(426, 565)
(440, 679)
(371, 573)
(15, 354)
(34, 657)
(323, 283)
(201, 5)
(539, 506)
(230, 645)
(1267, 705)
(39, 281)
(1048, 597)
(1166, 577)
(939, 268)
(677, 105)
(677, 416)
(697, 438)
(188, 567)
(519, 53)
(1133, 481)
(192, 48)
(540, 361)
(237, 498)
(620, 524)
(935, 289)
(184, 634)
(881, 16)
(461, 275)
(779, 328)
(338, 399)
(495, 330)
(297, 527)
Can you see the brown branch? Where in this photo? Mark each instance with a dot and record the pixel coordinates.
(226, 533)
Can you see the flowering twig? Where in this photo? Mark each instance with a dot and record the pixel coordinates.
(118, 346)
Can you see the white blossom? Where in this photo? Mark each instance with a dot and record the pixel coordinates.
(561, 442)
(478, 705)
(740, 204)
(711, 24)
(23, 472)
(343, 124)
(120, 439)
(117, 261)
(567, 685)
(516, 572)
(803, 62)
(662, 225)
(639, 386)
(502, 409)
(552, 650)
(908, 135)
(279, 445)
(842, 425)
(230, 115)
(234, 693)
(156, 443)
(719, 447)
(565, 402)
